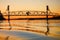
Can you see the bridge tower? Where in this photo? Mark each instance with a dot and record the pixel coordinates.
(47, 10)
(8, 9)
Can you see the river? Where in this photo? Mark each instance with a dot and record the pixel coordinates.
(18, 25)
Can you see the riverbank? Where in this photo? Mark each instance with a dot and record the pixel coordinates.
(23, 35)
(8, 37)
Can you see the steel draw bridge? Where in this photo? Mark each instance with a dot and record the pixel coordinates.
(31, 13)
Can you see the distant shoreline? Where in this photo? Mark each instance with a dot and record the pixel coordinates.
(31, 18)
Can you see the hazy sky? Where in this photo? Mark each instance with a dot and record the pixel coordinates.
(39, 5)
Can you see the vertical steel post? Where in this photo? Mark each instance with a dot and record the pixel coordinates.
(8, 13)
(9, 16)
(47, 9)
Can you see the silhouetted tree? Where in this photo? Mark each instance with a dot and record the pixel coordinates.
(1, 16)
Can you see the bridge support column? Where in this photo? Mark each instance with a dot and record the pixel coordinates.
(47, 9)
(9, 17)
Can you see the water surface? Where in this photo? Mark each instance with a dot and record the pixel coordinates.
(54, 26)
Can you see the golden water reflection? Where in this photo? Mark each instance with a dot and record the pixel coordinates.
(36, 26)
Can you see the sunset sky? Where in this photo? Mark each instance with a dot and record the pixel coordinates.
(39, 5)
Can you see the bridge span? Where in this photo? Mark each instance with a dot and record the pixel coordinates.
(29, 14)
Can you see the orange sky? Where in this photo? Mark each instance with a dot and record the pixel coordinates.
(39, 5)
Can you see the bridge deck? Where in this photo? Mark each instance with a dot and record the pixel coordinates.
(28, 17)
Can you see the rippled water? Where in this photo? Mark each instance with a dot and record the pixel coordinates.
(54, 26)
